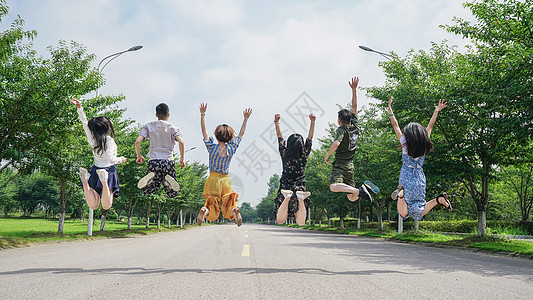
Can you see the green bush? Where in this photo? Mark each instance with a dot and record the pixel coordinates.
(459, 226)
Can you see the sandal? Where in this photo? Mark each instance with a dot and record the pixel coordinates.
(445, 196)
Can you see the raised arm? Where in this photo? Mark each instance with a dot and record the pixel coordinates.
(203, 109)
(84, 122)
(332, 149)
(246, 113)
(353, 84)
(438, 107)
(311, 126)
(276, 124)
(393, 120)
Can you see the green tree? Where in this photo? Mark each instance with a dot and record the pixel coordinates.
(488, 89)
(35, 191)
(266, 206)
(248, 213)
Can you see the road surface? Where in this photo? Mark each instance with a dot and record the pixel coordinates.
(257, 262)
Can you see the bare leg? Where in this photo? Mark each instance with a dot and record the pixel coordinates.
(283, 211)
(107, 196)
(431, 204)
(301, 214)
(204, 211)
(402, 205)
(237, 214)
(91, 196)
(353, 193)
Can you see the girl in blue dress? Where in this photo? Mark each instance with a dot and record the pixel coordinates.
(416, 144)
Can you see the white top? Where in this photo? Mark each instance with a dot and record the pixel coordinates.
(109, 156)
(162, 135)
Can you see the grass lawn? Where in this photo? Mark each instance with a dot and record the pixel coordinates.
(17, 232)
(492, 244)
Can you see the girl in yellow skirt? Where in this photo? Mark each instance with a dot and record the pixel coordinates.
(217, 189)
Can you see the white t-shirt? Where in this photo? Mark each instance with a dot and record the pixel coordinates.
(109, 156)
(162, 135)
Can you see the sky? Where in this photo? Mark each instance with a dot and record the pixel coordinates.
(287, 57)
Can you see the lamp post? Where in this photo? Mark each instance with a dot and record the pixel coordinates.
(386, 55)
(109, 58)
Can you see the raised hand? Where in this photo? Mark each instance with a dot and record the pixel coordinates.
(312, 117)
(75, 102)
(389, 109)
(203, 108)
(442, 104)
(276, 118)
(353, 84)
(247, 113)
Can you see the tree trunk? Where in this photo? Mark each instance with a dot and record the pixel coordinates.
(181, 218)
(103, 218)
(129, 222)
(158, 220)
(359, 213)
(147, 222)
(341, 217)
(481, 222)
(63, 205)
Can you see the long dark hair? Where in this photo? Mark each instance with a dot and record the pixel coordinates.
(101, 127)
(417, 140)
(295, 146)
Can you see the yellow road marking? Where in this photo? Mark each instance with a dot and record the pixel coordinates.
(246, 250)
(246, 235)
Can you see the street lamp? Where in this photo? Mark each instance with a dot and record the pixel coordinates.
(386, 55)
(111, 57)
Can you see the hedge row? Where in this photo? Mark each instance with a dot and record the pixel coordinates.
(460, 226)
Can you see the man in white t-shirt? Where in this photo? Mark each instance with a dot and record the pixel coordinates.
(161, 166)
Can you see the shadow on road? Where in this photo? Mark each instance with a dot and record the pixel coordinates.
(422, 258)
(147, 271)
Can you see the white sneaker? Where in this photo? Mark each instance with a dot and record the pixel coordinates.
(145, 180)
(303, 194)
(102, 175)
(84, 174)
(172, 183)
(286, 193)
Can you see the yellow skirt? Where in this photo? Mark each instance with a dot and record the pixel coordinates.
(219, 195)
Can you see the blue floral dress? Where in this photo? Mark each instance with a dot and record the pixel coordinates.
(413, 180)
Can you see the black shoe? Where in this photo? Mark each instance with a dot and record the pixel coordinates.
(363, 193)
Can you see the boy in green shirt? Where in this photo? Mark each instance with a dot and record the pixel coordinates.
(341, 178)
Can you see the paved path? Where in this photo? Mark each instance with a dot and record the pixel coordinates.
(257, 262)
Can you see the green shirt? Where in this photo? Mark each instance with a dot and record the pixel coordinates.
(347, 136)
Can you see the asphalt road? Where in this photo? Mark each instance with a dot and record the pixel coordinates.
(257, 262)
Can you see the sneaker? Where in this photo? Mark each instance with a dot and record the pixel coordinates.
(172, 183)
(371, 187)
(303, 194)
(145, 180)
(363, 193)
(84, 174)
(287, 193)
(102, 175)
(394, 194)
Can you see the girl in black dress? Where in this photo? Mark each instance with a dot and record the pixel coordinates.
(292, 199)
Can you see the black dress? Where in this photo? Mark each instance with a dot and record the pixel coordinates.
(293, 177)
